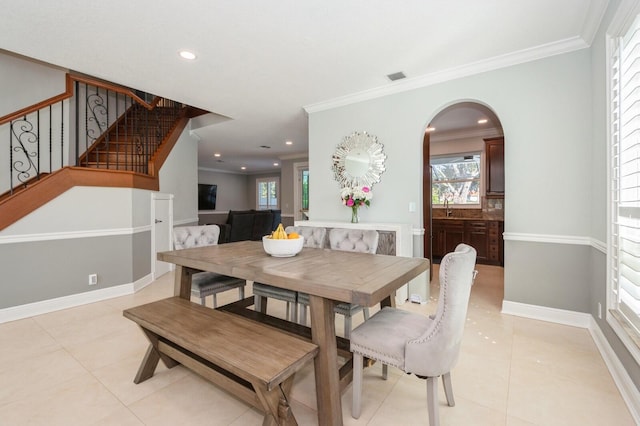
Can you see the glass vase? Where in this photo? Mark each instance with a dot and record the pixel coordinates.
(354, 215)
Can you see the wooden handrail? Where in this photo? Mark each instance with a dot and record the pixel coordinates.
(70, 78)
(115, 88)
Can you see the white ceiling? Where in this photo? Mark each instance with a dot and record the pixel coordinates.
(261, 63)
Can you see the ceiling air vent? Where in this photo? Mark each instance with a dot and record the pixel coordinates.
(265, 147)
(396, 76)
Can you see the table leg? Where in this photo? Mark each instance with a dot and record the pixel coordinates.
(323, 334)
(389, 301)
(182, 282)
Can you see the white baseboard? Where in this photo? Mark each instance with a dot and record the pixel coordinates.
(142, 283)
(627, 388)
(14, 313)
(542, 313)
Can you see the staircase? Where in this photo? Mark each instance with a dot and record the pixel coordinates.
(133, 140)
(121, 139)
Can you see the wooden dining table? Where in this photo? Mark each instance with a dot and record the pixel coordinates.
(328, 276)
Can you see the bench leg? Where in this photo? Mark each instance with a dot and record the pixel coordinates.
(148, 365)
(277, 411)
(151, 358)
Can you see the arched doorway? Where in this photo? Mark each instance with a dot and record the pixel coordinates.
(463, 182)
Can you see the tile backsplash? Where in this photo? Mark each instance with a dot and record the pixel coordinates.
(492, 209)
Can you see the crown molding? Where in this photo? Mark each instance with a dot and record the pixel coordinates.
(497, 62)
(294, 156)
(597, 9)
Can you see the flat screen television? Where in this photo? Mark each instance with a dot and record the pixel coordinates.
(207, 196)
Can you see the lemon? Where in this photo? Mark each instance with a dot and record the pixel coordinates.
(293, 236)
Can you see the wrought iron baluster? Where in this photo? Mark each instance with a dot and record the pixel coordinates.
(62, 134)
(51, 139)
(25, 168)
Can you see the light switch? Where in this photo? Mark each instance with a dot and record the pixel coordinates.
(412, 207)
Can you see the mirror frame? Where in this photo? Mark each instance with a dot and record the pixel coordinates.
(360, 141)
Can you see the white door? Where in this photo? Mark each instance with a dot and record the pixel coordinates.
(161, 231)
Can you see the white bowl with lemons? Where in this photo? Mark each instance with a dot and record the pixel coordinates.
(279, 244)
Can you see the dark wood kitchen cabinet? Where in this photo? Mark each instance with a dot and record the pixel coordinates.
(494, 150)
(483, 235)
(447, 234)
(475, 234)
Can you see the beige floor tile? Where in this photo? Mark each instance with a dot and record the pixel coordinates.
(37, 374)
(97, 353)
(121, 416)
(85, 330)
(22, 339)
(79, 401)
(118, 378)
(514, 421)
(549, 399)
(482, 380)
(189, 401)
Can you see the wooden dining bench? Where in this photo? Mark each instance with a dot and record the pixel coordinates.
(252, 361)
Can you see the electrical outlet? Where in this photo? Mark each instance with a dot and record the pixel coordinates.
(93, 279)
(599, 310)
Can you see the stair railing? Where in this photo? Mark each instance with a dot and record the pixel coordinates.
(112, 127)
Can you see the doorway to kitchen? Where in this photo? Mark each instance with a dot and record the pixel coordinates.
(464, 182)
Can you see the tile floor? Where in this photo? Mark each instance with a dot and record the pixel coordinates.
(76, 366)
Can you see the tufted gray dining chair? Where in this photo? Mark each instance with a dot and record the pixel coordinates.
(416, 344)
(357, 240)
(204, 284)
(313, 237)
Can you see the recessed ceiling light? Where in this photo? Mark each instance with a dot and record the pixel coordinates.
(243, 168)
(288, 143)
(276, 164)
(186, 54)
(217, 154)
(483, 121)
(430, 129)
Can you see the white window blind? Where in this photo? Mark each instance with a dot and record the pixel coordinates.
(625, 167)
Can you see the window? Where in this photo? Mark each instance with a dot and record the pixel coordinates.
(456, 179)
(624, 245)
(305, 189)
(267, 193)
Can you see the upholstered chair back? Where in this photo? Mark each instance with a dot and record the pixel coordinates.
(314, 237)
(195, 236)
(436, 351)
(360, 240)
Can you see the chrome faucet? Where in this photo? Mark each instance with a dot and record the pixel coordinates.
(446, 206)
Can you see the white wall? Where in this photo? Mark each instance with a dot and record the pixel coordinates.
(25, 82)
(233, 190)
(179, 176)
(544, 107)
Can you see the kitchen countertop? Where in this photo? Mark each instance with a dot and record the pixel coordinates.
(482, 217)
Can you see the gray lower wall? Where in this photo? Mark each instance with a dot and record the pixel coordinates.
(598, 275)
(43, 270)
(141, 259)
(548, 274)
